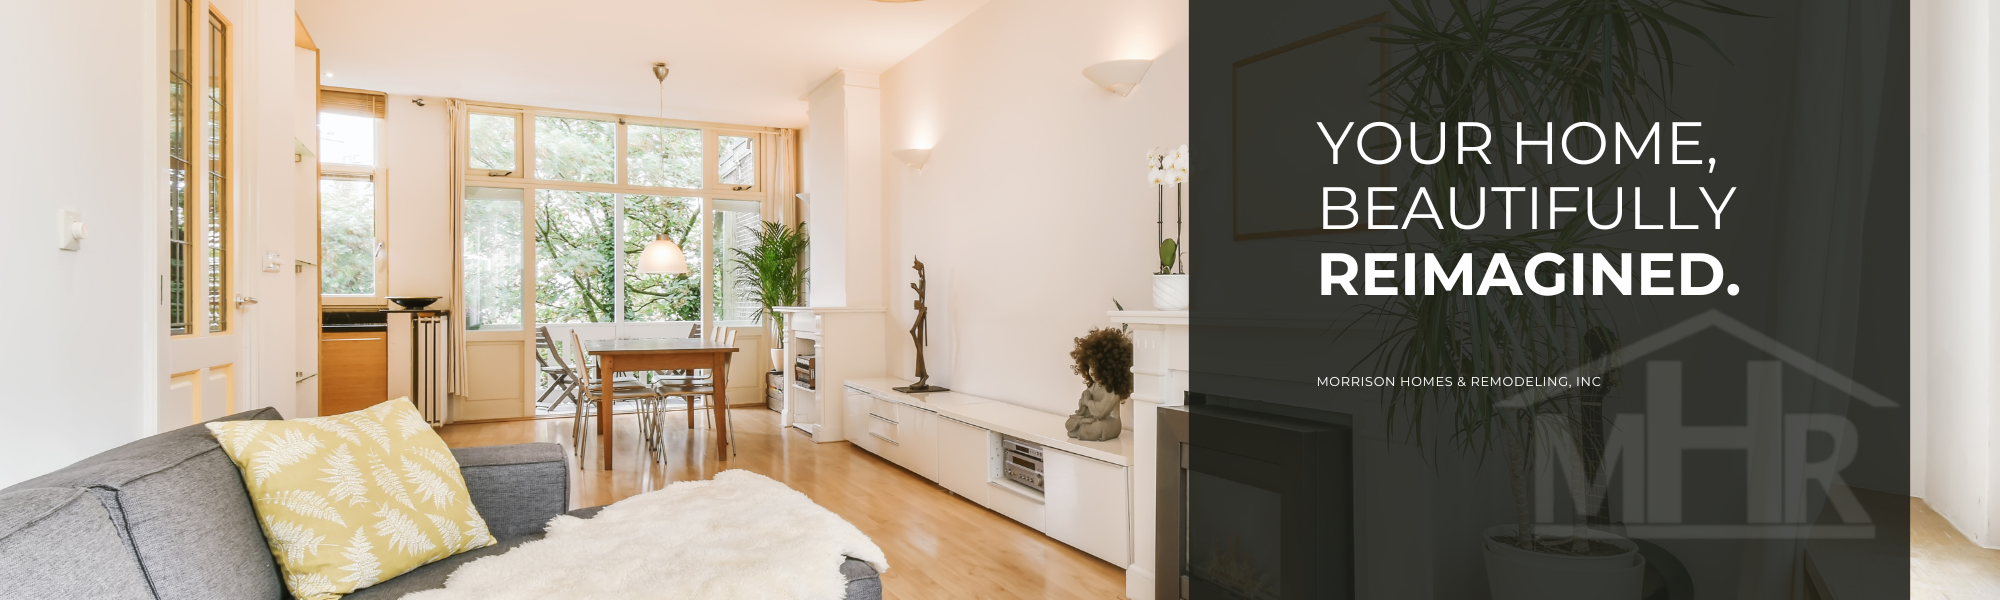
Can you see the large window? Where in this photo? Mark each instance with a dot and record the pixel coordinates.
(574, 243)
(736, 226)
(593, 190)
(493, 272)
(581, 150)
(347, 234)
(351, 215)
(659, 296)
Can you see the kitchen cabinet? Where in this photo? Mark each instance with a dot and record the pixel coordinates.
(354, 371)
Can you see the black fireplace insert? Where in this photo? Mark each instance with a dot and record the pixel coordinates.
(1255, 501)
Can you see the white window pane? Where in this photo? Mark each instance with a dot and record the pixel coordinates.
(576, 150)
(736, 160)
(662, 297)
(736, 227)
(573, 247)
(347, 236)
(493, 258)
(492, 141)
(663, 156)
(346, 139)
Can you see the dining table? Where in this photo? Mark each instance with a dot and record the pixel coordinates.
(661, 354)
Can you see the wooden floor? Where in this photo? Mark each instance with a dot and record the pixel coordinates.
(1944, 564)
(939, 545)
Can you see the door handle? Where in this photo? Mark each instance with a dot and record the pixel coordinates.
(242, 300)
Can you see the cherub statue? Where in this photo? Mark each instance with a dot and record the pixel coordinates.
(1104, 359)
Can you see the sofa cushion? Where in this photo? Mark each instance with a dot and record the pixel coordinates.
(432, 576)
(517, 487)
(179, 504)
(60, 543)
(352, 500)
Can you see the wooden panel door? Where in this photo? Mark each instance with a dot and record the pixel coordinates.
(354, 371)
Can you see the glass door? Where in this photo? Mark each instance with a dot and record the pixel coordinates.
(495, 288)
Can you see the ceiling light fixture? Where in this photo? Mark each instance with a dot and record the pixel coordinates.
(1118, 75)
(662, 255)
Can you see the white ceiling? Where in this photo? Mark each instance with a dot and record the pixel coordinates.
(734, 61)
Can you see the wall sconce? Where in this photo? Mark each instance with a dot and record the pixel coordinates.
(914, 157)
(1118, 75)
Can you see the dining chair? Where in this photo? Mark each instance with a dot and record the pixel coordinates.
(694, 391)
(558, 374)
(587, 368)
(621, 388)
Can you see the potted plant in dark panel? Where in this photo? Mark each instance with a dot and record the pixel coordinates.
(1508, 62)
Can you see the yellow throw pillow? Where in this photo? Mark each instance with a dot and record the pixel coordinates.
(352, 500)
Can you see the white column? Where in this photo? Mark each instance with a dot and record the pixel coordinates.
(1160, 369)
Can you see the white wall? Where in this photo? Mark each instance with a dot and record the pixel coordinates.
(1033, 211)
(268, 148)
(82, 368)
(414, 154)
(1953, 266)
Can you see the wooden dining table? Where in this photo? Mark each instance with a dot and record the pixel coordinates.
(661, 354)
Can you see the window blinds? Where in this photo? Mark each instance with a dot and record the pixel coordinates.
(359, 103)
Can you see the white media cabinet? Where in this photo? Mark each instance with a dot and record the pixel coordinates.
(954, 440)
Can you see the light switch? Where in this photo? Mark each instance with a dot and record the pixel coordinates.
(71, 232)
(272, 263)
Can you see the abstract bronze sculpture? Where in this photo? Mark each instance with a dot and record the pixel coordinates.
(920, 334)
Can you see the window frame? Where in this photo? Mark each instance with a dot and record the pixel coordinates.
(222, 166)
(524, 179)
(378, 175)
(521, 137)
(525, 155)
(203, 56)
(184, 49)
(713, 160)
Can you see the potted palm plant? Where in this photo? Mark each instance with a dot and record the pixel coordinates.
(773, 273)
(1530, 62)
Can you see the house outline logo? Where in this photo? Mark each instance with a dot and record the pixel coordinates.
(1648, 446)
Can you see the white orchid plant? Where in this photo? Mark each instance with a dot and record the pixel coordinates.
(1169, 168)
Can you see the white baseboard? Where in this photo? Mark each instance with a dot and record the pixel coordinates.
(1138, 583)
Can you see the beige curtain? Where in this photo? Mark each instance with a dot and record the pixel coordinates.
(454, 224)
(782, 203)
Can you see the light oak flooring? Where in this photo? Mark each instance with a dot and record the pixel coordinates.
(1944, 564)
(939, 545)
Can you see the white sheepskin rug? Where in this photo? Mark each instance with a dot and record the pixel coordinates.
(740, 536)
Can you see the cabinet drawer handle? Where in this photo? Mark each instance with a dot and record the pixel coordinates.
(884, 419)
(879, 437)
(352, 340)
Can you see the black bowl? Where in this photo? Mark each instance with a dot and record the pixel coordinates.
(414, 302)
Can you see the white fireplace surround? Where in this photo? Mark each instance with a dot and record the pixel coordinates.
(1160, 370)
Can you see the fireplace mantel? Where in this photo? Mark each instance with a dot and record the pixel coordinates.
(1160, 369)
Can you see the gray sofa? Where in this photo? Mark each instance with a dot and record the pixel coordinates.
(167, 518)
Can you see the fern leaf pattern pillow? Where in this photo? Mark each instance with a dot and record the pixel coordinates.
(352, 500)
